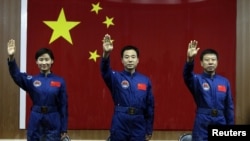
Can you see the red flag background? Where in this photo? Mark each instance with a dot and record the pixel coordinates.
(161, 29)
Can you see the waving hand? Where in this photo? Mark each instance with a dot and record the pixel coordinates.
(11, 48)
(107, 45)
(192, 50)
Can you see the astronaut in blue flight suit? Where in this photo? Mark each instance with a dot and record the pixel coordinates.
(211, 92)
(132, 96)
(48, 119)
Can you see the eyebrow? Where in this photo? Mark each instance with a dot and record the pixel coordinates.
(130, 55)
(209, 57)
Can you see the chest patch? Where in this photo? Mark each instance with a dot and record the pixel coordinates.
(141, 86)
(55, 84)
(205, 86)
(125, 84)
(37, 83)
(222, 88)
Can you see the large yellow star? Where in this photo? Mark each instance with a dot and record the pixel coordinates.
(96, 7)
(108, 21)
(61, 27)
(93, 55)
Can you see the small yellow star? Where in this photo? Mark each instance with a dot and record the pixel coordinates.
(96, 7)
(108, 21)
(61, 27)
(93, 55)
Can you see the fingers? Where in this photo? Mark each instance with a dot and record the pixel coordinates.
(11, 43)
(197, 49)
(106, 39)
(193, 44)
(107, 43)
(11, 46)
(11, 49)
(190, 45)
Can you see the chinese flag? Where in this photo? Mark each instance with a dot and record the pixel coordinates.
(161, 29)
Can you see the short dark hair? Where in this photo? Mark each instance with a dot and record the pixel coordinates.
(129, 47)
(208, 51)
(44, 51)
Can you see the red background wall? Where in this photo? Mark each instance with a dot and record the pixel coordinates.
(160, 29)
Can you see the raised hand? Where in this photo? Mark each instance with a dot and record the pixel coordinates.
(11, 48)
(192, 50)
(107, 43)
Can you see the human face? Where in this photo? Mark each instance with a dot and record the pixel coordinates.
(130, 60)
(44, 63)
(209, 63)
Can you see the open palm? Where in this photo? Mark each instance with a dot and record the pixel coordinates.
(107, 43)
(192, 49)
(11, 47)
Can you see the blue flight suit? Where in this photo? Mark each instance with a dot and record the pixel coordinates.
(49, 112)
(213, 98)
(133, 103)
